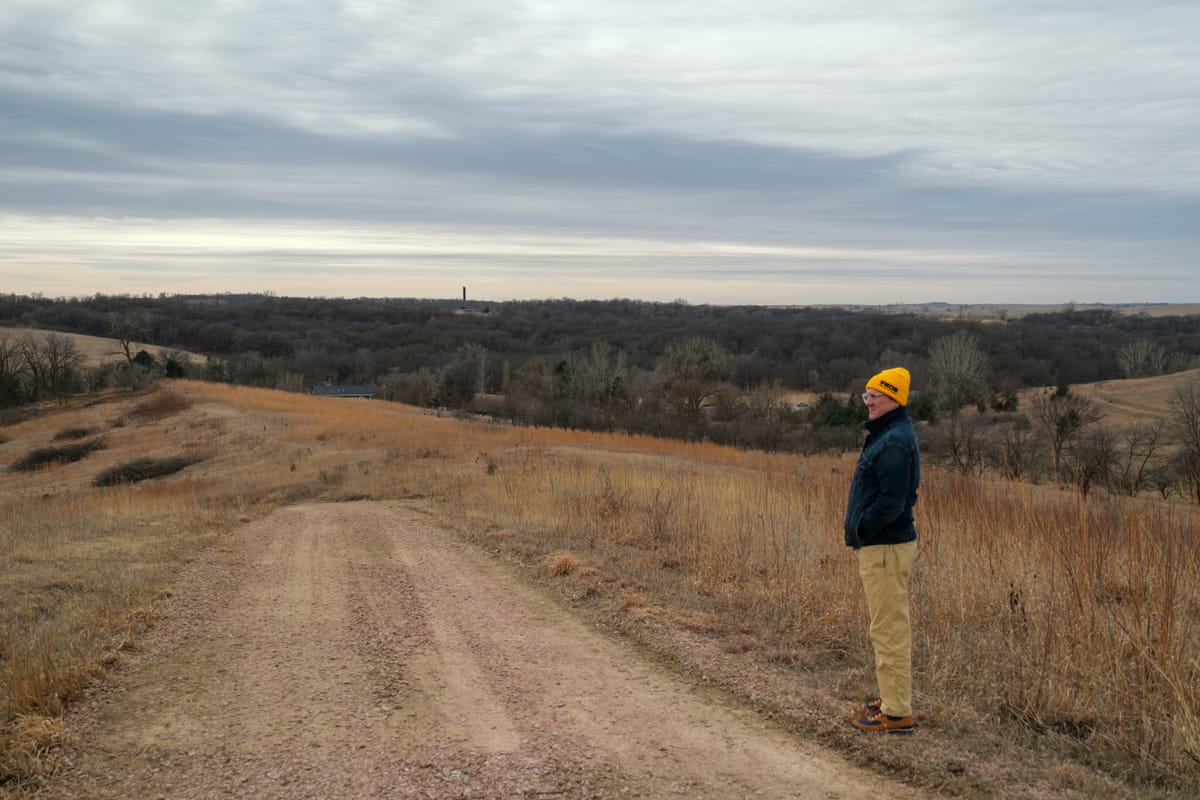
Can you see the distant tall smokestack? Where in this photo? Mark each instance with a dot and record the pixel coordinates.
(464, 295)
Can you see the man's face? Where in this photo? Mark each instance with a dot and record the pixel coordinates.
(878, 404)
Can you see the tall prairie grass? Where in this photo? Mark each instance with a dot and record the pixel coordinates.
(1031, 605)
(1034, 610)
(1072, 616)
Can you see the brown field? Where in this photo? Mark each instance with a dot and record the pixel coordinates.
(96, 350)
(1056, 638)
(1128, 402)
(1137, 399)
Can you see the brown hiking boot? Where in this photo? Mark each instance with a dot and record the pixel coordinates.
(873, 705)
(880, 722)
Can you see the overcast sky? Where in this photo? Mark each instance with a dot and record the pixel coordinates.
(757, 151)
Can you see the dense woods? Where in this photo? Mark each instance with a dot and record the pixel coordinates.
(767, 377)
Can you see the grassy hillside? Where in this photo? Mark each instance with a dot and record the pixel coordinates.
(1055, 637)
(96, 350)
(1138, 399)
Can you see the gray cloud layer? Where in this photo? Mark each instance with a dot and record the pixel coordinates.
(750, 152)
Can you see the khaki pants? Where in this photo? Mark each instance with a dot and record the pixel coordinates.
(885, 571)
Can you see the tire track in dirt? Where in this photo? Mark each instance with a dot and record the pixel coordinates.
(354, 651)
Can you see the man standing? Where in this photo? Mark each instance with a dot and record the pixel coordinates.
(879, 527)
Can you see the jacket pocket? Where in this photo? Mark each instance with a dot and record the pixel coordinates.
(853, 538)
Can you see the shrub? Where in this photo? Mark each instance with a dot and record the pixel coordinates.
(72, 433)
(141, 469)
(56, 455)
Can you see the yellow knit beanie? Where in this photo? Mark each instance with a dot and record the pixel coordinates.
(892, 382)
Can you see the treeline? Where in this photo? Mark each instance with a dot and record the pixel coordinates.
(41, 365)
(730, 374)
(809, 349)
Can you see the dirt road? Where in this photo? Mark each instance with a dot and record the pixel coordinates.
(354, 651)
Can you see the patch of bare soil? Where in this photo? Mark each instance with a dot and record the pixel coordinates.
(354, 651)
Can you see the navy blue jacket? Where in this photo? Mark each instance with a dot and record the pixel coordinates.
(884, 490)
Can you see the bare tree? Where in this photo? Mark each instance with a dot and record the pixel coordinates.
(530, 392)
(54, 365)
(728, 403)
(480, 355)
(1061, 415)
(13, 372)
(128, 328)
(961, 444)
(1089, 461)
(1138, 457)
(766, 402)
(1186, 428)
(31, 354)
(600, 375)
(428, 385)
(1017, 452)
(959, 369)
(692, 368)
(418, 388)
(464, 376)
(1141, 358)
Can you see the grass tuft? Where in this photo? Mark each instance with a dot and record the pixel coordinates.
(25, 746)
(560, 565)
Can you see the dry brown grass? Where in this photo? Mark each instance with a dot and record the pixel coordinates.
(1122, 402)
(560, 564)
(1077, 618)
(1138, 399)
(94, 349)
(1037, 615)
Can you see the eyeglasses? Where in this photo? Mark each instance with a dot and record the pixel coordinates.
(869, 396)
